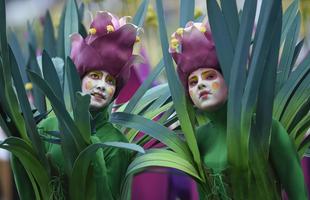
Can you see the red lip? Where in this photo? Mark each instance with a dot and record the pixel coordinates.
(204, 94)
(98, 95)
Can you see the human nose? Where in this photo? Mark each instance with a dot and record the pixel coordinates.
(201, 86)
(101, 86)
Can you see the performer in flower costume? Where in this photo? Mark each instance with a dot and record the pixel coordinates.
(103, 60)
(198, 68)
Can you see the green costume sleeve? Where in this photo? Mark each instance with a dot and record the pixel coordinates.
(287, 164)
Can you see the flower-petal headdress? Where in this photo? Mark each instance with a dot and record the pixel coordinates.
(193, 48)
(108, 47)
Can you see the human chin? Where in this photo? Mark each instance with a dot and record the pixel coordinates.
(96, 104)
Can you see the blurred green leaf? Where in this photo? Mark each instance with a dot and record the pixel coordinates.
(153, 129)
(299, 100)
(221, 35)
(144, 86)
(187, 8)
(302, 124)
(260, 51)
(33, 167)
(82, 115)
(31, 36)
(21, 179)
(288, 18)
(285, 65)
(297, 51)
(71, 24)
(13, 42)
(162, 158)
(149, 115)
(237, 141)
(51, 76)
(39, 98)
(266, 91)
(230, 13)
(139, 17)
(74, 82)
(49, 36)
(60, 42)
(286, 92)
(26, 110)
(149, 97)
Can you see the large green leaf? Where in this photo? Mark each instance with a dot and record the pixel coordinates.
(71, 24)
(163, 158)
(230, 13)
(144, 86)
(163, 99)
(222, 38)
(153, 129)
(149, 115)
(39, 98)
(32, 165)
(82, 115)
(238, 141)
(59, 110)
(74, 82)
(26, 110)
(141, 13)
(82, 164)
(3, 38)
(177, 92)
(261, 49)
(20, 58)
(49, 36)
(7, 91)
(288, 18)
(150, 96)
(297, 51)
(287, 91)
(285, 65)
(22, 182)
(266, 91)
(299, 100)
(298, 129)
(51, 76)
(261, 129)
(31, 36)
(187, 8)
(60, 42)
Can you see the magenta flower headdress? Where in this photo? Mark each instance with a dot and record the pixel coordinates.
(192, 48)
(108, 47)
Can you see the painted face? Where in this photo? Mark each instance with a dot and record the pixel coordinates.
(207, 89)
(101, 87)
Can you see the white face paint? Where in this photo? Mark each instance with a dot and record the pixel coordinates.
(207, 89)
(101, 86)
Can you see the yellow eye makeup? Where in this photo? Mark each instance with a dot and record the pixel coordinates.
(95, 75)
(208, 75)
(110, 80)
(193, 80)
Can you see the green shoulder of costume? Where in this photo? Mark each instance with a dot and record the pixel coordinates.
(49, 124)
(110, 133)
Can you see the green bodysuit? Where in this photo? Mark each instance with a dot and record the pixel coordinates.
(116, 159)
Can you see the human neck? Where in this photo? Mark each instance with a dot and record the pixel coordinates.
(218, 117)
